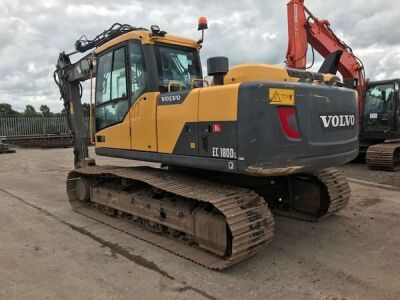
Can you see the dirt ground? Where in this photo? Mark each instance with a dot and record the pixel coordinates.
(360, 171)
(49, 252)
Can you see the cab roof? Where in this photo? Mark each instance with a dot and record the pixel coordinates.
(147, 37)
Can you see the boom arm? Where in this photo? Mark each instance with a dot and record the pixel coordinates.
(68, 77)
(304, 28)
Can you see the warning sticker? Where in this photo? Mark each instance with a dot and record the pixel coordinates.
(281, 97)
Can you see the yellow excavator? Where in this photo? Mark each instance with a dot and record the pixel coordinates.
(255, 140)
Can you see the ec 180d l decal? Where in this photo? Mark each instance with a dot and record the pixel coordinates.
(223, 152)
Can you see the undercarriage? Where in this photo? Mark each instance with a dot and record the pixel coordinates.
(206, 221)
(385, 156)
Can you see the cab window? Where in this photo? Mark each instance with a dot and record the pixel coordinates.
(111, 88)
(379, 107)
(137, 69)
(177, 64)
(118, 75)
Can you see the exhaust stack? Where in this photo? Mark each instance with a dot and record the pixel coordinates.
(218, 67)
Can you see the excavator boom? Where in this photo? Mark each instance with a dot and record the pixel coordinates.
(68, 77)
(303, 29)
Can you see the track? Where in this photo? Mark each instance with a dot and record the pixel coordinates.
(336, 192)
(385, 156)
(125, 205)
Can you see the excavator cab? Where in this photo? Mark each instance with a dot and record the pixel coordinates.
(381, 110)
(123, 75)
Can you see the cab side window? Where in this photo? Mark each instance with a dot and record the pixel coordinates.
(137, 69)
(118, 76)
(112, 101)
(179, 65)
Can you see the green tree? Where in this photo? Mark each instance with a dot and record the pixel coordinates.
(63, 112)
(30, 111)
(45, 110)
(7, 111)
(85, 111)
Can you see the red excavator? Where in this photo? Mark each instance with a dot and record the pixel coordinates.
(379, 104)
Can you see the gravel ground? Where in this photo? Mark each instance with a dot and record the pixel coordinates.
(49, 252)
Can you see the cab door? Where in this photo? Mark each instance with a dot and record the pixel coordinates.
(144, 104)
(112, 101)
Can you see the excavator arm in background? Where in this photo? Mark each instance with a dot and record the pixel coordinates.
(381, 146)
(303, 29)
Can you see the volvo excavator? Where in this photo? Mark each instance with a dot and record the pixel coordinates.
(379, 101)
(257, 140)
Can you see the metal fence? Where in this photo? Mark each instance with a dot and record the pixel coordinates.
(40, 126)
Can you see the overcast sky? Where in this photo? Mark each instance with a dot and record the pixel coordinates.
(32, 33)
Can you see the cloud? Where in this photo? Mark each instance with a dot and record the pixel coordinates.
(32, 33)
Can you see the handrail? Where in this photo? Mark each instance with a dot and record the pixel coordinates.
(198, 79)
(180, 84)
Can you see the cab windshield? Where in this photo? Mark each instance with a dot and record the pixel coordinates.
(177, 67)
